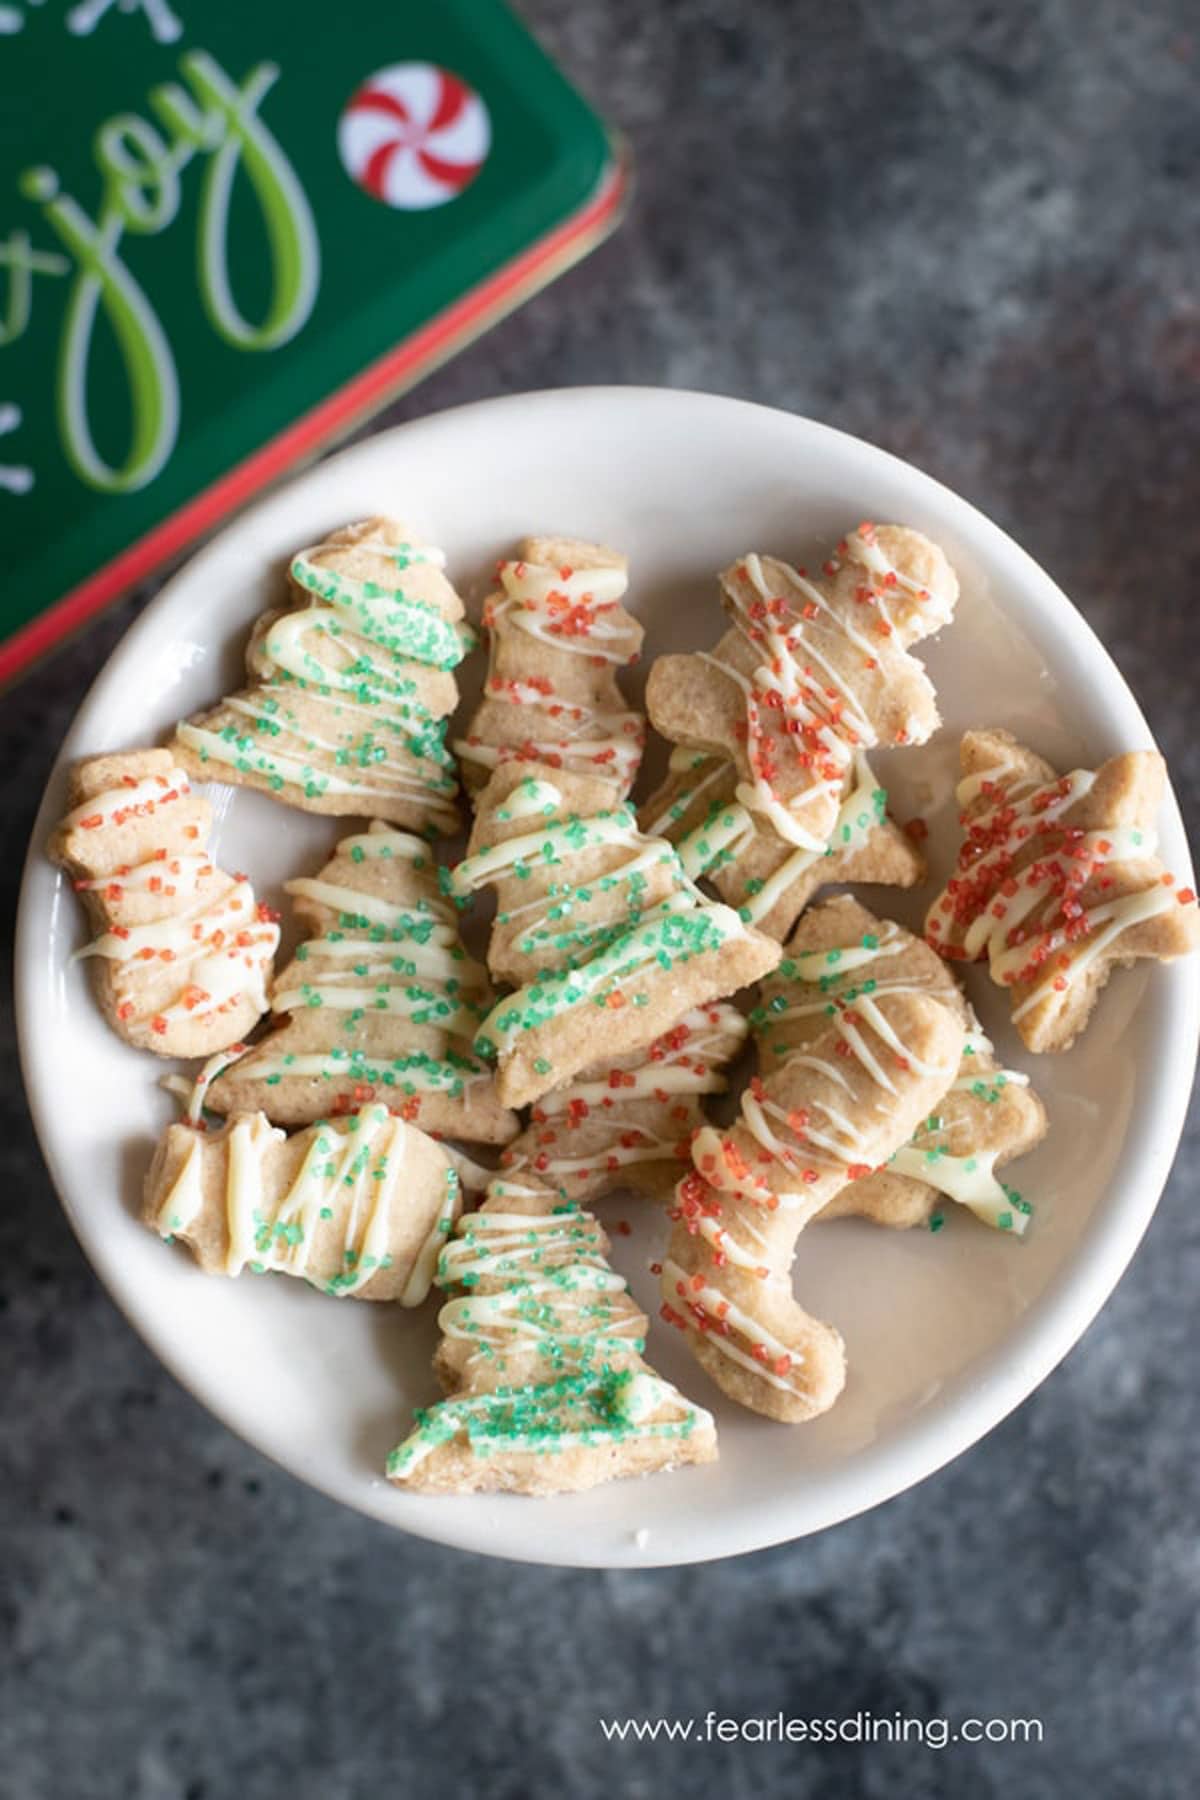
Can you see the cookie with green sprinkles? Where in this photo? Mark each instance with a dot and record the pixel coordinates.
(569, 866)
(541, 1360)
(738, 852)
(611, 940)
(349, 687)
(360, 1208)
(380, 1003)
(840, 957)
(543, 1035)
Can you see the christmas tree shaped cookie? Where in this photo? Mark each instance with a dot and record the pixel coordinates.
(360, 1207)
(830, 1113)
(184, 950)
(610, 942)
(381, 1002)
(630, 1123)
(769, 880)
(350, 686)
(541, 1360)
(841, 955)
(558, 636)
(1058, 882)
(812, 669)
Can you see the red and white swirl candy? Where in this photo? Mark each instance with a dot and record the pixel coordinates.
(414, 136)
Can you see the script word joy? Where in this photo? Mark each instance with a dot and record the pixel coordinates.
(140, 161)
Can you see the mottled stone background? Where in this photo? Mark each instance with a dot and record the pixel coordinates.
(968, 232)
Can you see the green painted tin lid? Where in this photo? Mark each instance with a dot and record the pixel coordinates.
(229, 233)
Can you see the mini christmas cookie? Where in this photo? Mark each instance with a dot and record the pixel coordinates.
(1058, 882)
(541, 1357)
(558, 635)
(359, 1208)
(616, 942)
(184, 950)
(829, 1114)
(769, 880)
(812, 669)
(381, 1002)
(570, 868)
(350, 687)
(630, 1123)
(841, 955)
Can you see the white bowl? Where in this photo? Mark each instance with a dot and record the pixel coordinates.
(945, 1333)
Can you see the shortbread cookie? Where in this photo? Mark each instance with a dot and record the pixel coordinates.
(1058, 882)
(841, 954)
(381, 1002)
(360, 1208)
(829, 1114)
(570, 868)
(616, 942)
(541, 1356)
(181, 962)
(558, 635)
(350, 687)
(768, 880)
(811, 670)
(630, 1123)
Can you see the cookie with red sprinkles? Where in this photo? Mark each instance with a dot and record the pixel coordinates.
(183, 949)
(816, 666)
(1058, 881)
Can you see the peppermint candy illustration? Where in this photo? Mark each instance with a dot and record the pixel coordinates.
(414, 136)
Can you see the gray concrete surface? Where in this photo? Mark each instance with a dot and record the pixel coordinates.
(969, 233)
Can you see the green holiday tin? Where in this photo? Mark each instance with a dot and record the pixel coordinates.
(229, 233)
